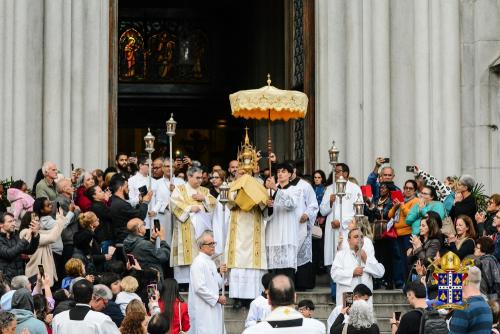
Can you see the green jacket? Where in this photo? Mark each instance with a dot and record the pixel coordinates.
(43, 189)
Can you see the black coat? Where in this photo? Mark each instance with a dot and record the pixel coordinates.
(467, 207)
(121, 213)
(146, 253)
(88, 250)
(11, 262)
(103, 231)
(338, 326)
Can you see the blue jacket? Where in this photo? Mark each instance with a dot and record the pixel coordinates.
(373, 182)
(415, 215)
(26, 319)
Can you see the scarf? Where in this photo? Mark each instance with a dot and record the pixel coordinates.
(396, 215)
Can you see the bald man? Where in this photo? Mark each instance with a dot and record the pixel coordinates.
(233, 170)
(144, 250)
(283, 317)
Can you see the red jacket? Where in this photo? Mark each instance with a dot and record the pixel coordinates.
(81, 200)
(175, 328)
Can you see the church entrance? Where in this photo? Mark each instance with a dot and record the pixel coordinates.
(185, 58)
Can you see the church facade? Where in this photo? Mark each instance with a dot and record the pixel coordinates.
(413, 80)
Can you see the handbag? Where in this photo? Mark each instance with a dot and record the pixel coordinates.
(180, 321)
(391, 234)
(316, 231)
(379, 228)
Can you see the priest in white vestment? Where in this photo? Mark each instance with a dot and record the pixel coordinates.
(330, 207)
(204, 302)
(192, 206)
(282, 229)
(354, 265)
(140, 179)
(245, 251)
(163, 192)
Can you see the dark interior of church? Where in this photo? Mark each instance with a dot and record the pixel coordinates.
(185, 58)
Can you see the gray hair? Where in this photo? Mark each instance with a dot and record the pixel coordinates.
(361, 314)
(45, 166)
(474, 277)
(102, 291)
(60, 184)
(201, 239)
(192, 170)
(20, 282)
(468, 181)
(82, 177)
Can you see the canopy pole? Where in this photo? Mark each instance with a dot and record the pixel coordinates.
(269, 145)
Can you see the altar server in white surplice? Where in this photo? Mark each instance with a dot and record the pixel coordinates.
(140, 179)
(282, 229)
(352, 266)
(192, 206)
(204, 302)
(163, 192)
(330, 207)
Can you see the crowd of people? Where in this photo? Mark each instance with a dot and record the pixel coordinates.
(116, 247)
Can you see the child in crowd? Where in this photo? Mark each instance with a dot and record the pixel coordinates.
(259, 307)
(306, 307)
(129, 285)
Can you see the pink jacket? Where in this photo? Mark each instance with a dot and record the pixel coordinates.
(19, 201)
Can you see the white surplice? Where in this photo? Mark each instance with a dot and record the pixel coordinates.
(258, 311)
(308, 204)
(219, 226)
(282, 230)
(162, 203)
(344, 264)
(205, 314)
(333, 212)
(134, 183)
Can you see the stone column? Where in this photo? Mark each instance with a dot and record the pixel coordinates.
(21, 66)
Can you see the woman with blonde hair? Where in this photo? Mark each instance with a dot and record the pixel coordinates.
(129, 286)
(87, 247)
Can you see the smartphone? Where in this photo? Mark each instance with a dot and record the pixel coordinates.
(72, 167)
(410, 169)
(151, 289)
(386, 160)
(131, 259)
(348, 299)
(143, 191)
(58, 205)
(41, 270)
(397, 315)
(34, 217)
(157, 224)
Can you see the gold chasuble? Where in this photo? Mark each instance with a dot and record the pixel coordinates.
(245, 246)
(184, 248)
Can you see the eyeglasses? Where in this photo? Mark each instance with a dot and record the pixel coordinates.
(408, 188)
(157, 167)
(210, 244)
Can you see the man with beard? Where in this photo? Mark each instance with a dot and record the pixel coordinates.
(121, 210)
(233, 170)
(121, 163)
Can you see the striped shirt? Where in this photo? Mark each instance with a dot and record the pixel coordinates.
(476, 318)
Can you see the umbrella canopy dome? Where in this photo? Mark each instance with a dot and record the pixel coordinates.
(258, 103)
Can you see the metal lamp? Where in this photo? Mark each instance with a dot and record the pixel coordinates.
(341, 183)
(359, 207)
(171, 125)
(149, 140)
(333, 153)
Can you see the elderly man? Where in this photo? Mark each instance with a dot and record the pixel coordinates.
(47, 186)
(81, 319)
(374, 179)
(163, 192)
(144, 250)
(354, 265)
(11, 246)
(204, 302)
(476, 317)
(65, 192)
(121, 210)
(283, 317)
(102, 301)
(192, 206)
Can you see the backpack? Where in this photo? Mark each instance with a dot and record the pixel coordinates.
(432, 322)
